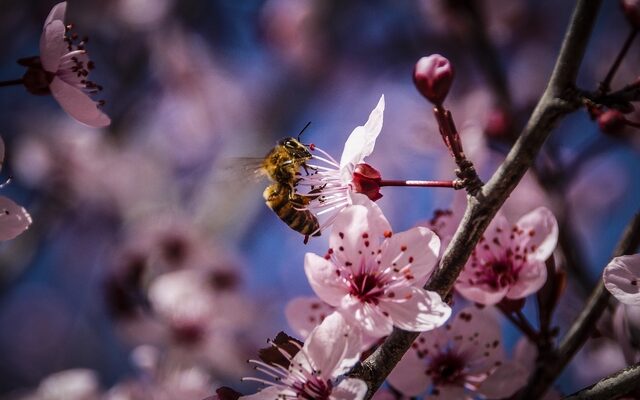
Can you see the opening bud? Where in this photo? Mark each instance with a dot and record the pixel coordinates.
(611, 122)
(433, 76)
(631, 9)
(366, 180)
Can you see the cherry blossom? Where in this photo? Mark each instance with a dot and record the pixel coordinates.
(14, 219)
(332, 183)
(330, 350)
(66, 66)
(622, 277)
(373, 277)
(510, 260)
(460, 360)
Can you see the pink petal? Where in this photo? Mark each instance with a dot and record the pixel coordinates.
(421, 311)
(480, 338)
(57, 13)
(349, 389)
(448, 392)
(367, 316)
(622, 278)
(354, 235)
(377, 221)
(408, 376)
(268, 393)
(334, 347)
(417, 248)
(52, 45)
(14, 219)
(482, 294)
(305, 313)
(504, 381)
(626, 320)
(540, 233)
(530, 279)
(496, 239)
(361, 141)
(323, 279)
(78, 104)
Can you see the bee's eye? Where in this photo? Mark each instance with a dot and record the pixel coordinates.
(289, 144)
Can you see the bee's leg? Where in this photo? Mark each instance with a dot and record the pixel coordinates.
(271, 192)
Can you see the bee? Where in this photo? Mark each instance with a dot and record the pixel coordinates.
(282, 165)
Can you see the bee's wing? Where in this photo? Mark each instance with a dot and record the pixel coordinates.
(242, 169)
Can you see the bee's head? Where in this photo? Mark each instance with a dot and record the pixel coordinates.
(294, 148)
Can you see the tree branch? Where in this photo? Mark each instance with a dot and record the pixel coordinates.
(551, 366)
(618, 384)
(558, 100)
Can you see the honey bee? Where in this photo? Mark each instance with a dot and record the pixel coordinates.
(282, 165)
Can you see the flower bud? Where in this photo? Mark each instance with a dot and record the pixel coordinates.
(631, 9)
(611, 121)
(433, 76)
(498, 124)
(366, 180)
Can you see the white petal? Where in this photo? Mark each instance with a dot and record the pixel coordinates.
(305, 313)
(362, 140)
(324, 280)
(52, 45)
(418, 248)
(367, 316)
(57, 13)
(14, 219)
(422, 311)
(78, 104)
(349, 389)
(540, 233)
(334, 346)
(622, 278)
(504, 381)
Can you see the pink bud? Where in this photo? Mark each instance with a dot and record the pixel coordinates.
(366, 180)
(498, 124)
(433, 76)
(631, 9)
(611, 121)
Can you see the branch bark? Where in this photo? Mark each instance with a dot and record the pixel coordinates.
(552, 365)
(611, 387)
(558, 100)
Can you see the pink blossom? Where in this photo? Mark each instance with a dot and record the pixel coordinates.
(622, 277)
(330, 351)
(331, 183)
(67, 67)
(373, 277)
(626, 328)
(462, 359)
(510, 260)
(14, 219)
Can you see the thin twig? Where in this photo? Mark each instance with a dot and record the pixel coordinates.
(12, 82)
(605, 85)
(558, 100)
(611, 387)
(552, 365)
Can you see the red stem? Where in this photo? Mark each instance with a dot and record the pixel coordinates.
(445, 184)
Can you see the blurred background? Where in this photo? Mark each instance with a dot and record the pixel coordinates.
(153, 269)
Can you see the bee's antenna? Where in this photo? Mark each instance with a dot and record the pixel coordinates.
(305, 127)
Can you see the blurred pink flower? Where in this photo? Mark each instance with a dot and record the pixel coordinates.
(67, 67)
(331, 187)
(622, 277)
(14, 219)
(626, 328)
(460, 360)
(375, 278)
(305, 313)
(510, 260)
(330, 351)
(71, 384)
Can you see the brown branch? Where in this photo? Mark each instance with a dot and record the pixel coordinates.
(558, 100)
(554, 362)
(611, 387)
